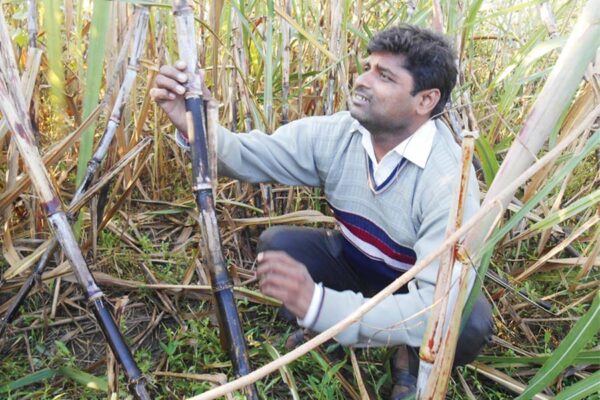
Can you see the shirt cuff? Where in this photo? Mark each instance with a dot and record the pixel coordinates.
(181, 140)
(313, 309)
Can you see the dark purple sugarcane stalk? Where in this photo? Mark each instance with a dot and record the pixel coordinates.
(76, 203)
(222, 287)
(12, 106)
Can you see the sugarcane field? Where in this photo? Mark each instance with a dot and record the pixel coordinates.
(294, 199)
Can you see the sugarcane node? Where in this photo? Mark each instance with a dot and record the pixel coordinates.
(51, 207)
(203, 185)
(221, 286)
(95, 296)
(192, 93)
(427, 355)
(22, 132)
(461, 254)
(134, 68)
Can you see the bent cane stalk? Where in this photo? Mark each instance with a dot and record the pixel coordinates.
(141, 28)
(12, 106)
(437, 320)
(443, 317)
(222, 287)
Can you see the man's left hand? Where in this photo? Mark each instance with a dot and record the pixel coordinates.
(282, 277)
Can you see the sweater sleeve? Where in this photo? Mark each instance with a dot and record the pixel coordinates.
(400, 318)
(286, 156)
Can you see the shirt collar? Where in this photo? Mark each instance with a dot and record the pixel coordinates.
(415, 148)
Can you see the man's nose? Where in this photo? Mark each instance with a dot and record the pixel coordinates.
(363, 79)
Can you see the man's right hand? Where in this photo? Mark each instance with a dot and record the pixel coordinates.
(169, 90)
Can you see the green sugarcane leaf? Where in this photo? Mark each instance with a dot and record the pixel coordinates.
(580, 334)
(286, 373)
(585, 357)
(93, 79)
(486, 155)
(54, 44)
(591, 144)
(36, 377)
(581, 389)
(85, 379)
(580, 205)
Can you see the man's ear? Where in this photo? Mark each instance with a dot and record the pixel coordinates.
(427, 100)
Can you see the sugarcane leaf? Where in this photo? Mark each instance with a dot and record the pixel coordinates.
(36, 377)
(286, 373)
(585, 357)
(93, 80)
(557, 217)
(85, 379)
(486, 155)
(591, 144)
(580, 334)
(52, 25)
(581, 389)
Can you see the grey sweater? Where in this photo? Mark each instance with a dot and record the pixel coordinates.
(392, 227)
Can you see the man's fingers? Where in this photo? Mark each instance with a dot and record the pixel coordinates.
(279, 288)
(158, 94)
(173, 73)
(275, 256)
(165, 82)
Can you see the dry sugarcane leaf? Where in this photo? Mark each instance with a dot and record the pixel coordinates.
(557, 249)
(51, 157)
(582, 106)
(297, 217)
(26, 262)
(503, 379)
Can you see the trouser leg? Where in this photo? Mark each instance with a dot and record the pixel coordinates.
(319, 250)
(476, 333)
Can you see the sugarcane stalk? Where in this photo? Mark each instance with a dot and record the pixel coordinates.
(12, 106)
(269, 47)
(222, 287)
(32, 23)
(545, 114)
(286, 32)
(334, 46)
(34, 57)
(438, 322)
(239, 57)
(75, 204)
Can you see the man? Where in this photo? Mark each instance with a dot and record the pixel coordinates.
(388, 169)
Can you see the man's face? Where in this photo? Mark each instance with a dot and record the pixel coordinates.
(382, 100)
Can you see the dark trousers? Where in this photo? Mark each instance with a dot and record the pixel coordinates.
(321, 251)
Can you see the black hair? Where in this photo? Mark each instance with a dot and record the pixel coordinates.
(429, 58)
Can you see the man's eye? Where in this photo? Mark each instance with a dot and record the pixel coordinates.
(384, 77)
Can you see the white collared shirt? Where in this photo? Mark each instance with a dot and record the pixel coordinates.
(415, 148)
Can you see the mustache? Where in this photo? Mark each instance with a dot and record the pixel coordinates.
(361, 90)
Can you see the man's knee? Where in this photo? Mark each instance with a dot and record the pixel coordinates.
(273, 238)
(477, 332)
